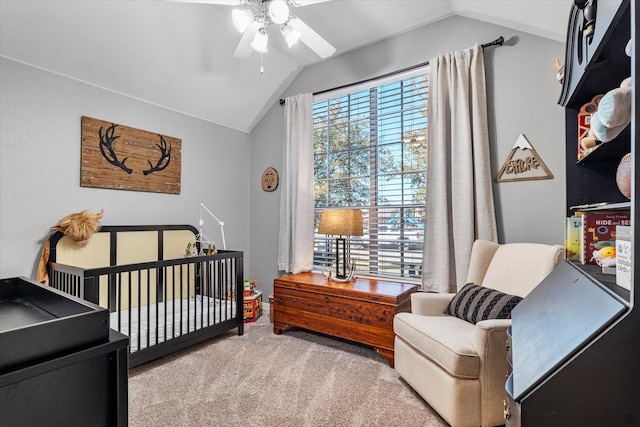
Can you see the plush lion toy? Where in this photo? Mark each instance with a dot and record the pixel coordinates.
(78, 226)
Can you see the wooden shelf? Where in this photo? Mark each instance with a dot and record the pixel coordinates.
(619, 206)
(611, 151)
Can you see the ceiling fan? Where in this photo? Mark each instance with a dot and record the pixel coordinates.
(254, 21)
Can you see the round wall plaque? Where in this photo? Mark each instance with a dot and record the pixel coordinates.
(270, 179)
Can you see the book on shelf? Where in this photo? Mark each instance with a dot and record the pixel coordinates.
(573, 238)
(623, 257)
(599, 231)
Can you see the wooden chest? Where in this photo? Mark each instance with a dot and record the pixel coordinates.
(360, 311)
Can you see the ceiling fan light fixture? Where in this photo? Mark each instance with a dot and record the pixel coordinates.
(278, 11)
(242, 18)
(260, 41)
(290, 35)
(254, 22)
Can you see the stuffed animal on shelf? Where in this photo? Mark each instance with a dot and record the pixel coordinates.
(605, 257)
(79, 227)
(614, 113)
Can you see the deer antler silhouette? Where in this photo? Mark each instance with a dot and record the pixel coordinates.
(106, 143)
(165, 155)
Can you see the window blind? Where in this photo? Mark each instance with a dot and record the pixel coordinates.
(370, 153)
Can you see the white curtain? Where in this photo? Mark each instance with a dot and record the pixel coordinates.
(459, 195)
(296, 198)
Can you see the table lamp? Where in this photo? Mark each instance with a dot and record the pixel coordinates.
(341, 223)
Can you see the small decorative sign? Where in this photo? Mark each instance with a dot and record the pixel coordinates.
(270, 179)
(123, 158)
(523, 164)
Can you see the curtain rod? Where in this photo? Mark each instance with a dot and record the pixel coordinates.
(497, 42)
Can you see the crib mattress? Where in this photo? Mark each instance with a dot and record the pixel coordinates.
(149, 325)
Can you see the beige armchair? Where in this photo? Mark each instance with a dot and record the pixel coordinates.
(459, 367)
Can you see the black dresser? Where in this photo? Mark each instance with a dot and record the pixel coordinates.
(60, 364)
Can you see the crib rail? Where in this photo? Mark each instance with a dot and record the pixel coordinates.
(169, 303)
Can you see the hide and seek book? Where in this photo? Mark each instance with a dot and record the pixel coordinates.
(599, 231)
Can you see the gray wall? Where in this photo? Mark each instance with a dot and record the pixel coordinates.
(522, 98)
(40, 147)
(40, 165)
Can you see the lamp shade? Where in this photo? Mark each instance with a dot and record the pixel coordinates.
(260, 41)
(242, 18)
(342, 222)
(278, 11)
(290, 35)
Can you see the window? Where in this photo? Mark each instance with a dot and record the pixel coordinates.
(370, 153)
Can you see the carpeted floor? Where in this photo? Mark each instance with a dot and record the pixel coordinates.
(296, 379)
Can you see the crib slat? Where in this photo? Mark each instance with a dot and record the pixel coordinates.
(227, 282)
(173, 306)
(165, 294)
(188, 273)
(226, 291)
(119, 303)
(157, 313)
(129, 305)
(202, 292)
(149, 306)
(139, 310)
(211, 298)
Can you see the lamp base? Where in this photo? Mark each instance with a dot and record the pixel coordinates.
(341, 274)
(341, 258)
(350, 277)
(347, 279)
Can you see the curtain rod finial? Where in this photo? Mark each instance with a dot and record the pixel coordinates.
(497, 42)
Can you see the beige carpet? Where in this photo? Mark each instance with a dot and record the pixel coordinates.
(261, 379)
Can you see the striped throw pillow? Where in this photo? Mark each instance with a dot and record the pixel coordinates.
(474, 303)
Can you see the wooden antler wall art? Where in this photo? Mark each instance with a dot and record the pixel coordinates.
(164, 160)
(106, 143)
(124, 158)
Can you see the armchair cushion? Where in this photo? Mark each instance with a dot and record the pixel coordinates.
(474, 303)
(444, 339)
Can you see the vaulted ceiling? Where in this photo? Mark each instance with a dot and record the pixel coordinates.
(179, 55)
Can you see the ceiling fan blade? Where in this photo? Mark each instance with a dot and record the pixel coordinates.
(312, 39)
(296, 3)
(244, 49)
(221, 2)
(299, 3)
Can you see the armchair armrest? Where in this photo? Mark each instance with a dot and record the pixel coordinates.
(429, 304)
(489, 340)
(489, 333)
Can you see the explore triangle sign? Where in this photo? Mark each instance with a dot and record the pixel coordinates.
(523, 164)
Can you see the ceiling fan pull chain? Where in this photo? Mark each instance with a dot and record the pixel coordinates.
(261, 62)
